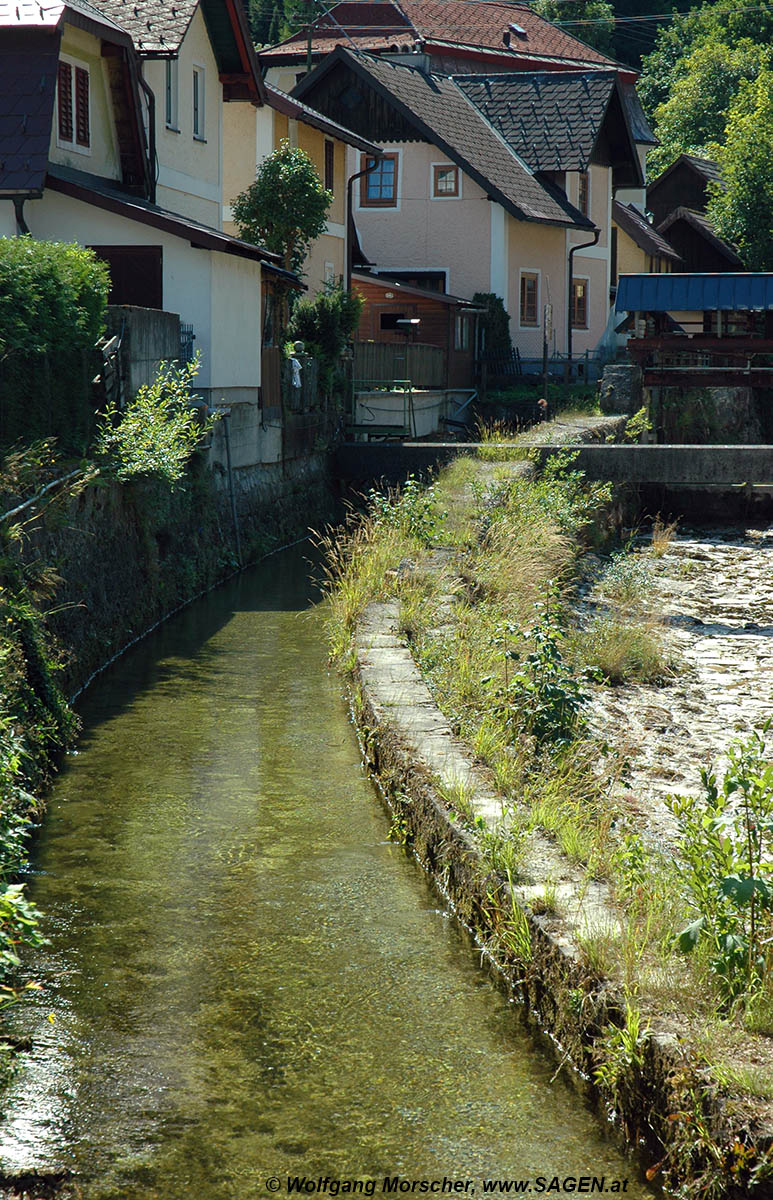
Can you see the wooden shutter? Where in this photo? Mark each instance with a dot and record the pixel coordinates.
(82, 131)
(64, 92)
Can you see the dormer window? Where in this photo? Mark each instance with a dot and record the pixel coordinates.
(73, 106)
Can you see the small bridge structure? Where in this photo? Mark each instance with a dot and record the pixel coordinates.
(667, 465)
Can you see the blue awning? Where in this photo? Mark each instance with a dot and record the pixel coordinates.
(682, 293)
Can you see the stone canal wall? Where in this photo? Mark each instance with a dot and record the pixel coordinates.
(667, 1104)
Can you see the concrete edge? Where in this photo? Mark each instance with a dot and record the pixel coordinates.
(667, 1106)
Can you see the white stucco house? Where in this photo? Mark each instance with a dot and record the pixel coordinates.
(111, 136)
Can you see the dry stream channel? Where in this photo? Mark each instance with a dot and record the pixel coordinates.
(245, 978)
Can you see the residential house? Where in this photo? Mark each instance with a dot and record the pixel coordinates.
(111, 137)
(452, 36)
(678, 200)
(637, 247)
(264, 127)
(490, 184)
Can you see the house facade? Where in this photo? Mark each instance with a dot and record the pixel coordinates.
(475, 194)
(107, 154)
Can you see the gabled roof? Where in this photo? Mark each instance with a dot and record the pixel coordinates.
(281, 102)
(29, 56)
(552, 119)
(158, 27)
(639, 230)
(441, 114)
(701, 223)
(507, 29)
(640, 126)
(408, 290)
(705, 168)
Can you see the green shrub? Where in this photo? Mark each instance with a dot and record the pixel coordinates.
(52, 305)
(157, 432)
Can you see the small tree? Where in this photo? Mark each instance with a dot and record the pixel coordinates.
(285, 209)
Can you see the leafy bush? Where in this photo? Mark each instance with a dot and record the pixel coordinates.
(413, 510)
(157, 432)
(544, 698)
(726, 865)
(325, 325)
(52, 305)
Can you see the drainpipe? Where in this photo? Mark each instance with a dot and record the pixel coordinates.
(350, 216)
(18, 206)
(572, 251)
(152, 164)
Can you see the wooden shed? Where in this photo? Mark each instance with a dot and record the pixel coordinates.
(401, 318)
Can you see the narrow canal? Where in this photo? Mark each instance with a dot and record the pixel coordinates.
(245, 978)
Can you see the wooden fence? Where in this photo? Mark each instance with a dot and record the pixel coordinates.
(381, 362)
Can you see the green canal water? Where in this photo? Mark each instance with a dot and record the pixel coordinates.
(245, 978)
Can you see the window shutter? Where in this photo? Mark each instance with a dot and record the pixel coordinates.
(82, 132)
(64, 92)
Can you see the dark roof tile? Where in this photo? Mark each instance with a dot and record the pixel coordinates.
(28, 63)
(551, 119)
(437, 105)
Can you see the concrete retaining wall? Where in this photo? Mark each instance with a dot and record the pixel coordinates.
(677, 465)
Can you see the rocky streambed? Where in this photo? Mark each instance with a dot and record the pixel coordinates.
(713, 590)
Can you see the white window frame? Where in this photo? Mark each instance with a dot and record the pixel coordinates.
(172, 94)
(384, 208)
(75, 63)
(199, 85)
(531, 271)
(446, 164)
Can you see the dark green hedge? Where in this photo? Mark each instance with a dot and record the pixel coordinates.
(52, 307)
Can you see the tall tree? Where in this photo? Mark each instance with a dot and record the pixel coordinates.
(592, 21)
(693, 118)
(742, 209)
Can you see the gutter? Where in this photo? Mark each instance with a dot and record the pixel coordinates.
(350, 215)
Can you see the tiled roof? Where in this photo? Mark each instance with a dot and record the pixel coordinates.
(638, 228)
(640, 126)
(705, 167)
(283, 103)
(440, 110)
(18, 14)
(551, 119)
(486, 23)
(155, 25)
(102, 195)
(28, 64)
(513, 29)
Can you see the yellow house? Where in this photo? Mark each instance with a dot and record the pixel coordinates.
(638, 248)
(284, 118)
